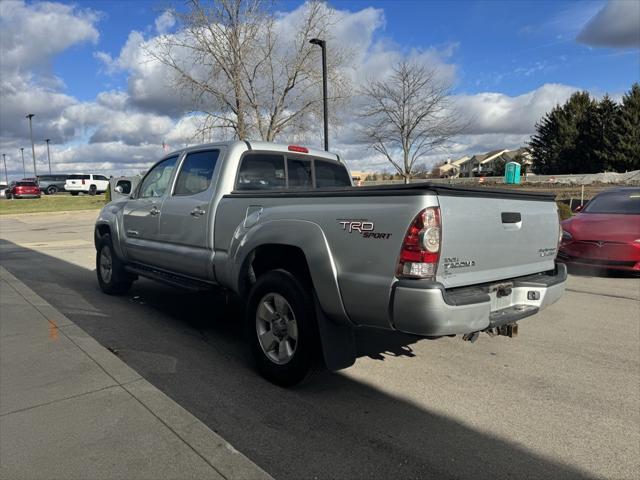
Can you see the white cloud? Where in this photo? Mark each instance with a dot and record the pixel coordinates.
(499, 113)
(165, 22)
(616, 25)
(33, 33)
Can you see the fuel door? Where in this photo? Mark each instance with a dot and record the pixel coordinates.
(254, 212)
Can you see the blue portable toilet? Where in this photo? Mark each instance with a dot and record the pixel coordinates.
(512, 173)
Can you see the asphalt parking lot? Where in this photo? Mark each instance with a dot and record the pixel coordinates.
(562, 400)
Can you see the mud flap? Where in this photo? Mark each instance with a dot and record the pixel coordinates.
(338, 341)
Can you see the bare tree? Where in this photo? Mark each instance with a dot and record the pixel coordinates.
(246, 73)
(408, 115)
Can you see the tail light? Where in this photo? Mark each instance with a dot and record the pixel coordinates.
(83, 181)
(420, 251)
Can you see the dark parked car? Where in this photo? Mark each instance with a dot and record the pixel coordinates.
(51, 184)
(605, 233)
(24, 189)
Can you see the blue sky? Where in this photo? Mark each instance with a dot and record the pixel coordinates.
(505, 46)
(77, 66)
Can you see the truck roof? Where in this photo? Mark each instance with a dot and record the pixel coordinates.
(263, 146)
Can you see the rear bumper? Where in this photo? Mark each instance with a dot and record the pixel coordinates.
(26, 195)
(74, 188)
(428, 309)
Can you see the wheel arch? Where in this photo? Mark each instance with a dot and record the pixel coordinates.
(295, 245)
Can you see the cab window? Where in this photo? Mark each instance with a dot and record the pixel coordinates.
(196, 172)
(261, 171)
(157, 180)
(299, 173)
(330, 174)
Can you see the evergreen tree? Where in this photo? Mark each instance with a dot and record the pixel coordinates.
(575, 152)
(544, 144)
(626, 133)
(600, 132)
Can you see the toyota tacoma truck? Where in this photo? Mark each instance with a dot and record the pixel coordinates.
(313, 257)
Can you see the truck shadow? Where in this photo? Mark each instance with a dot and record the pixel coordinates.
(585, 271)
(192, 348)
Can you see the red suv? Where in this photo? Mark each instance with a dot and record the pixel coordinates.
(23, 189)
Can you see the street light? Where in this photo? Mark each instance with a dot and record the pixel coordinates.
(6, 177)
(323, 45)
(24, 170)
(48, 153)
(33, 148)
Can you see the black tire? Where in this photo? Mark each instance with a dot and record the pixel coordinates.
(75, 194)
(119, 281)
(51, 190)
(7, 195)
(92, 190)
(306, 358)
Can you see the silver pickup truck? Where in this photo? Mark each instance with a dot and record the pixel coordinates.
(313, 257)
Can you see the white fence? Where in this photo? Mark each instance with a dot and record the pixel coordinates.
(628, 178)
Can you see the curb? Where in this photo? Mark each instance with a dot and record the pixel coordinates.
(215, 450)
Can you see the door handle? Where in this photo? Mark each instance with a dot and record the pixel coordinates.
(197, 212)
(154, 210)
(133, 233)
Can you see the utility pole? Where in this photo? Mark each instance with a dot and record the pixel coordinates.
(24, 170)
(6, 177)
(323, 45)
(48, 153)
(33, 148)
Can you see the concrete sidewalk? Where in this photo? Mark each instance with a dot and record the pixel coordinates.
(70, 409)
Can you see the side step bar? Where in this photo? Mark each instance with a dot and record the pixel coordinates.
(172, 279)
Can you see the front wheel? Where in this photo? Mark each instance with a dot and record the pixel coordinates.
(92, 190)
(281, 322)
(112, 277)
(51, 190)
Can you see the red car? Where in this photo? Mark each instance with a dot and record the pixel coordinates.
(24, 189)
(605, 233)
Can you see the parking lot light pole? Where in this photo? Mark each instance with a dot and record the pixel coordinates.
(24, 170)
(323, 45)
(48, 153)
(33, 148)
(6, 177)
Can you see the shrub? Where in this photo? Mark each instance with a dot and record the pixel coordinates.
(564, 210)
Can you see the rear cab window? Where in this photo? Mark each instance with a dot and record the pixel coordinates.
(79, 177)
(330, 174)
(274, 171)
(261, 171)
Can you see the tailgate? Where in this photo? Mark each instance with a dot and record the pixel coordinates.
(487, 239)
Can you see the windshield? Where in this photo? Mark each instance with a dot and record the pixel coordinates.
(621, 202)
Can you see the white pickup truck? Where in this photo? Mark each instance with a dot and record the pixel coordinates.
(315, 258)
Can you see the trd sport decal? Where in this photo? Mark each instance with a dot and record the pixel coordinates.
(362, 227)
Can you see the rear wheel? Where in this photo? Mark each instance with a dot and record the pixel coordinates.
(281, 322)
(112, 277)
(92, 190)
(51, 190)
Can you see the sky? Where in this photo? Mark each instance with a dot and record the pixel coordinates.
(79, 67)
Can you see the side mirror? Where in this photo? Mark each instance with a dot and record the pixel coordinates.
(578, 208)
(119, 189)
